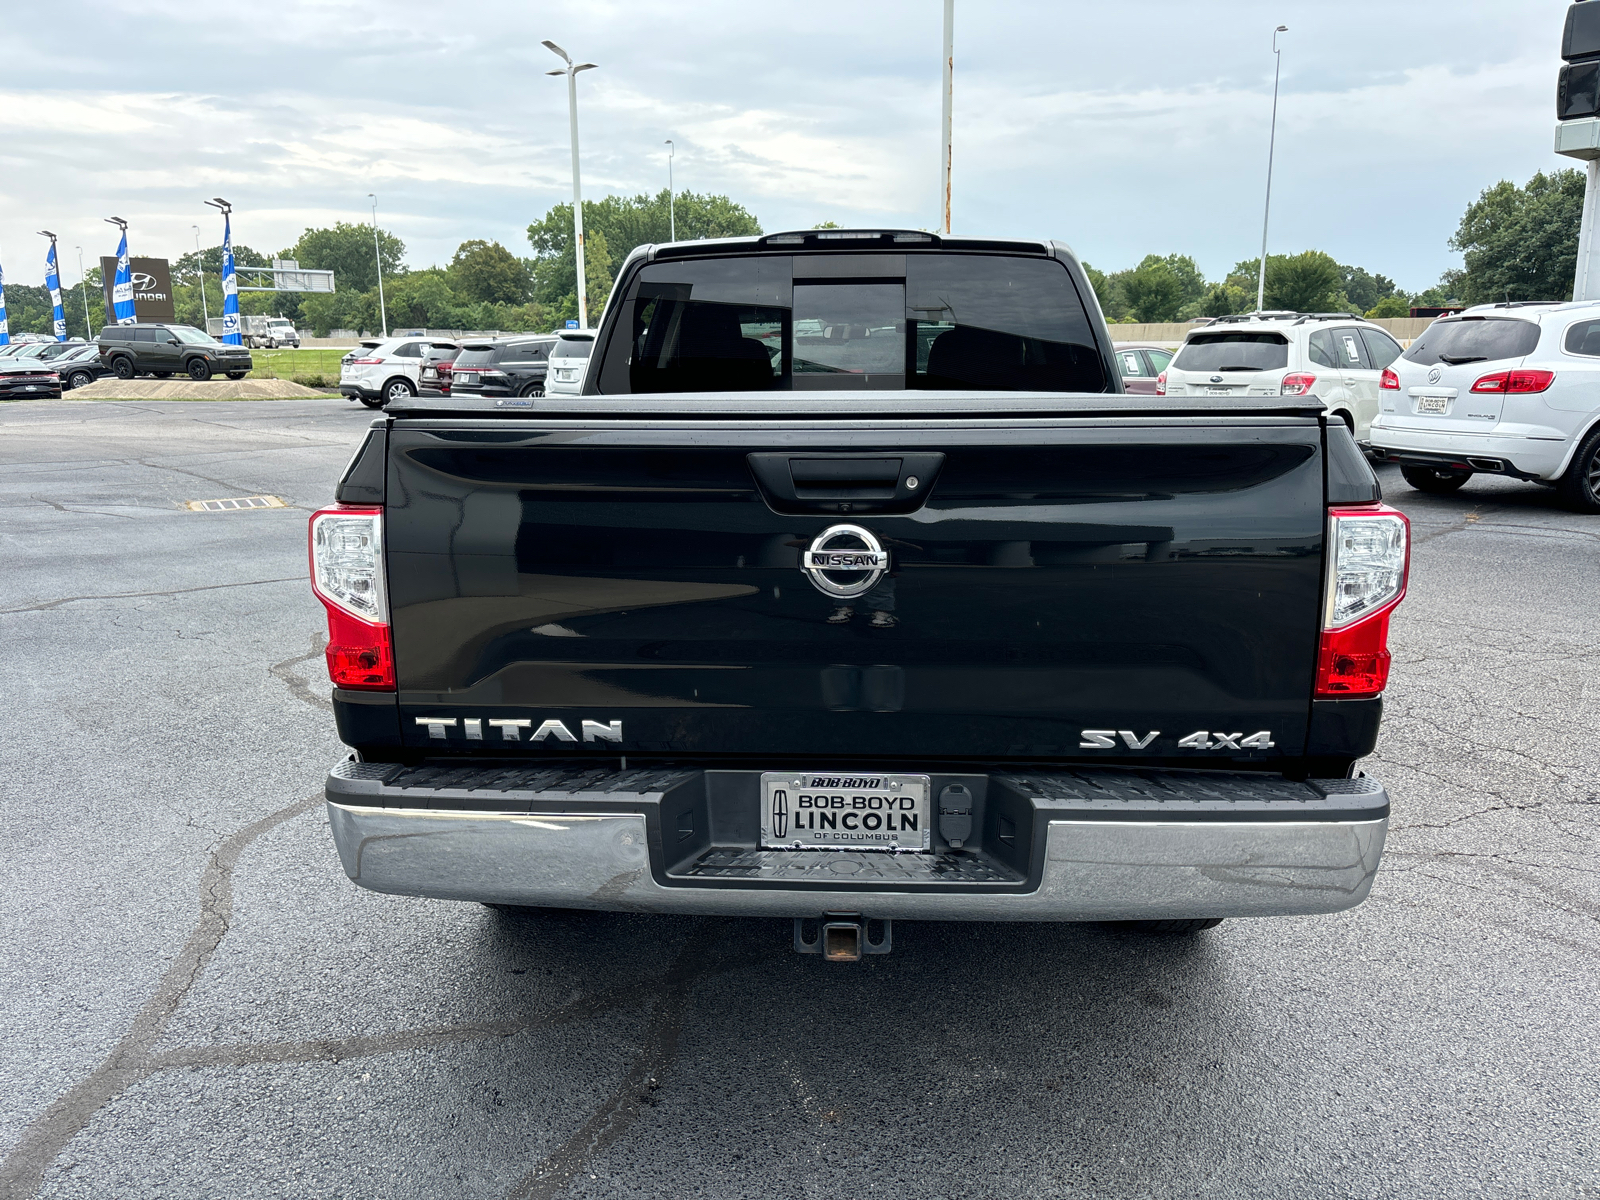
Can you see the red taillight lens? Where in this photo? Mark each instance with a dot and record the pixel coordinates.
(1297, 384)
(1525, 381)
(1492, 383)
(347, 575)
(1369, 559)
(365, 362)
(1161, 384)
(1388, 381)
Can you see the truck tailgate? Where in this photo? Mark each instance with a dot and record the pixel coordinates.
(1055, 588)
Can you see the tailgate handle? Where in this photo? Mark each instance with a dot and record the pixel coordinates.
(846, 482)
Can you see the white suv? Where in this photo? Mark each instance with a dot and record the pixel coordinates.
(379, 372)
(569, 361)
(1336, 357)
(1501, 389)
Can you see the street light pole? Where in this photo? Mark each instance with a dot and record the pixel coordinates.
(83, 286)
(949, 104)
(672, 210)
(571, 72)
(200, 265)
(383, 312)
(1272, 145)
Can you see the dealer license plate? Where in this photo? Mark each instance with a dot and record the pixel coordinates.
(1433, 404)
(1219, 391)
(812, 809)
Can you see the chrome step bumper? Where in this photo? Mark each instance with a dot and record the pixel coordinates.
(559, 847)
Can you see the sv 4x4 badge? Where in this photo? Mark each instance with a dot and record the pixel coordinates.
(1203, 739)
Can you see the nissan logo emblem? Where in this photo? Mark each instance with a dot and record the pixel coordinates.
(846, 550)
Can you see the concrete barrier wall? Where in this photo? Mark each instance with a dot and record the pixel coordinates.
(1403, 329)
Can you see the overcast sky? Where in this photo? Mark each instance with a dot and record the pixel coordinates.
(1124, 129)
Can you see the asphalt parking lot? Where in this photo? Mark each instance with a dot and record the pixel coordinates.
(198, 1003)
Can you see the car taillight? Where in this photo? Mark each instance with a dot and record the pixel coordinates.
(1521, 382)
(346, 544)
(366, 362)
(1161, 384)
(1297, 384)
(1388, 381)
(1369, 558)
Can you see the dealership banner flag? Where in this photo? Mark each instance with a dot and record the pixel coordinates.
(52, 280)
(122, 286)
(230, 288)
(5, 329)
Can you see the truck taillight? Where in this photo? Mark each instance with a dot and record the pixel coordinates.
(1297, 384)
(346, 544)
(1161, 384)
(1369, 557)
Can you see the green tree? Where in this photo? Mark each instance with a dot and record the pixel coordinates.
(1225, 298)
(489, 273)
(1390, 306)
(210, 259)
(1154, 291)
(1522, 243)
(1365, 290)
(623, 223)
(347, 251)
(1306, 282)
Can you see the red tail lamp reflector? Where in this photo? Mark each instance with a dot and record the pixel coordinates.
(1369, 559)
(1519, 382)
(1388, 381)
(346, 547)
(1161, 384)
(1297, 383)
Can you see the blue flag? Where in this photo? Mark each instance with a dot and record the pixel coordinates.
(5, 329)
(122, 286)
(230, 288)
(52, 280)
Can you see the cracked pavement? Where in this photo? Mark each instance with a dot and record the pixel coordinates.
(198, 1003)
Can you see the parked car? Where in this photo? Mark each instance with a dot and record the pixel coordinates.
(569, 359)
(1502, 389)
(1336, 357)
(437, 369)
(754, 639)
(28, 379)
(80, 366)
(514, 366)
(166, 350)
(387, 370)
(1140, 364)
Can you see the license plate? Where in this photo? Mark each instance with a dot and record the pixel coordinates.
(1219, 391)
(814, 809)
(1433, 404)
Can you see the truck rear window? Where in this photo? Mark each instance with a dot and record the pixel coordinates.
(1473, 339)
(863, 321)
(1233, 352)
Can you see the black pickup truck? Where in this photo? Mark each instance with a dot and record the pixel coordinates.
(854, 589)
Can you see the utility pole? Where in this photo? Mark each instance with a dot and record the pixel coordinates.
(571, 72)
(383, 312)
(1272, 145)
(949, 101)
(672, 210)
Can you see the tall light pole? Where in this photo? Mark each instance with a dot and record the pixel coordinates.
(383, 313)
(1272, 145)
(672, 210)
(571, 72)
(948, 106)
(83, 286)
(200, 265)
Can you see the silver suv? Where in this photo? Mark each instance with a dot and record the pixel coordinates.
(1336, 357)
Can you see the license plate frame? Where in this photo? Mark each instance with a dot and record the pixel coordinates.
(1219, 391)
(1433, 405)
(863, 810)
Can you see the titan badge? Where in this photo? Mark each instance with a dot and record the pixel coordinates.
(512, 730)
(866, 562)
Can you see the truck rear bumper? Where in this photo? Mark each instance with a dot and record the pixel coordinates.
(1087, 866)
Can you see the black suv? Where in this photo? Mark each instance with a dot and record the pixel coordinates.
(512, 366)
(165, 350)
